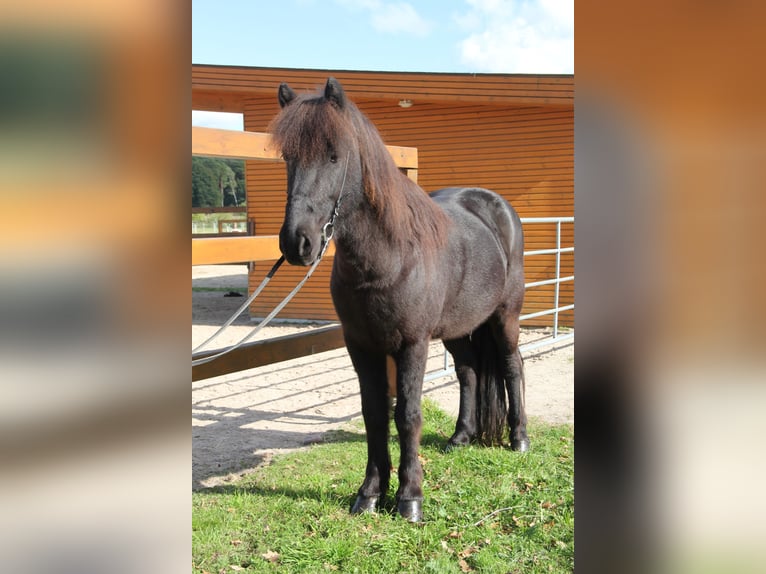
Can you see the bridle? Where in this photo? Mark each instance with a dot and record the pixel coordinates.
(328, 230)
(330, 225)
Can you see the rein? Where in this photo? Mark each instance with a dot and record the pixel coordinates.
(328, 230)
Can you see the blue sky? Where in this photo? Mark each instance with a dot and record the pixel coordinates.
(468, 36)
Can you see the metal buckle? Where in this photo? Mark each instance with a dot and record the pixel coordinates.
(327, 235)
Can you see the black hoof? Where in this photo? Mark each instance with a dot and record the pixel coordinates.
(521, 445)
(451, 446)
(410, 510)
(364, 504)
(457, 441)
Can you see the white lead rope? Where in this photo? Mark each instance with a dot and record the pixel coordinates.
(263, 323)
(244, 306)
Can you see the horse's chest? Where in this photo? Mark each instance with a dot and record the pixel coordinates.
(381, 319)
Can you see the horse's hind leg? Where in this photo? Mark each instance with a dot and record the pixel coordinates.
(465, 367)
(373, 384)
(506, 333)
(517, 416)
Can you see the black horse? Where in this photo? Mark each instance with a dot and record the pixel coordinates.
(408, 268)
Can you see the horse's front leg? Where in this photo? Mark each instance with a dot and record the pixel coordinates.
(373, 384)
(410, 368)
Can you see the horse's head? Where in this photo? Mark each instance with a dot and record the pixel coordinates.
(315, 136)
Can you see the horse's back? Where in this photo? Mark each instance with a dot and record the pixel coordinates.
(469, 206)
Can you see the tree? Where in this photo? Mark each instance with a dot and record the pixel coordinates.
(217, 182)
(204, 188)
(238, 167)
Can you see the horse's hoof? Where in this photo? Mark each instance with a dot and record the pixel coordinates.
(364, 504)
(451, 446)
(457, 441)
(521, 445)
(410, 510)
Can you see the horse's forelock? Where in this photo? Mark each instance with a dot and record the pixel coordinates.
(304, 128)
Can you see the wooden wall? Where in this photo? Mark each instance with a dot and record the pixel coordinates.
(525, 153)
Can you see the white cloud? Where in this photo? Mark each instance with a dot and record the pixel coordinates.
(509, 36)
(222, 120)
(392, 17)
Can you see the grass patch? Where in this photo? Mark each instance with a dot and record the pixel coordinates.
(488, 510)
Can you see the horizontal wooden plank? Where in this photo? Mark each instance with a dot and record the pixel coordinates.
(382, 87)
(269, 351)
(213, 142)
(494, 89)
(215, 250)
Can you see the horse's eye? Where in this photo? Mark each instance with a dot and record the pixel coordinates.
(333, 158)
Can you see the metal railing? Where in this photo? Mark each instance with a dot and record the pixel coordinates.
(555, 337)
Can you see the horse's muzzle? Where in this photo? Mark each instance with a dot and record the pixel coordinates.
(298, 247)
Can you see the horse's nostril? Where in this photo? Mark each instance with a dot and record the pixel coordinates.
(304, 245)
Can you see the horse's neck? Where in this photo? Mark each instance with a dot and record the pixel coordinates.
(365, 247)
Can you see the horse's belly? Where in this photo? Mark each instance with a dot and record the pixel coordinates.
(476, 289)
(384, 324)
(458, 320)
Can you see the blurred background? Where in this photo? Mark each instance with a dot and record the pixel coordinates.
(670, 133)
(670, 159)
(94, 298)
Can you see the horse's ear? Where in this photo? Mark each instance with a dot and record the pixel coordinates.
(333, 92)
(285, 94)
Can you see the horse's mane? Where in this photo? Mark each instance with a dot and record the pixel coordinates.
(309, 124)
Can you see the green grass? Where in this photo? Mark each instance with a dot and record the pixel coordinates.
(292, 515)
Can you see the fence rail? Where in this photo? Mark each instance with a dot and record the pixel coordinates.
(557, 280)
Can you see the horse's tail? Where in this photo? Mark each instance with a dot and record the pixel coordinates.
(491, 404)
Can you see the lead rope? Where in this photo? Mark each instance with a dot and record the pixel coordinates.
(328, 230)
(244, 305)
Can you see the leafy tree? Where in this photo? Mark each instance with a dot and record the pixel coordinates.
(217, 182)
(204, 188)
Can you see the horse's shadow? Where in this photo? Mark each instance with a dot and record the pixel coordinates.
(228, 439)
(247, 448)
(208, 462)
